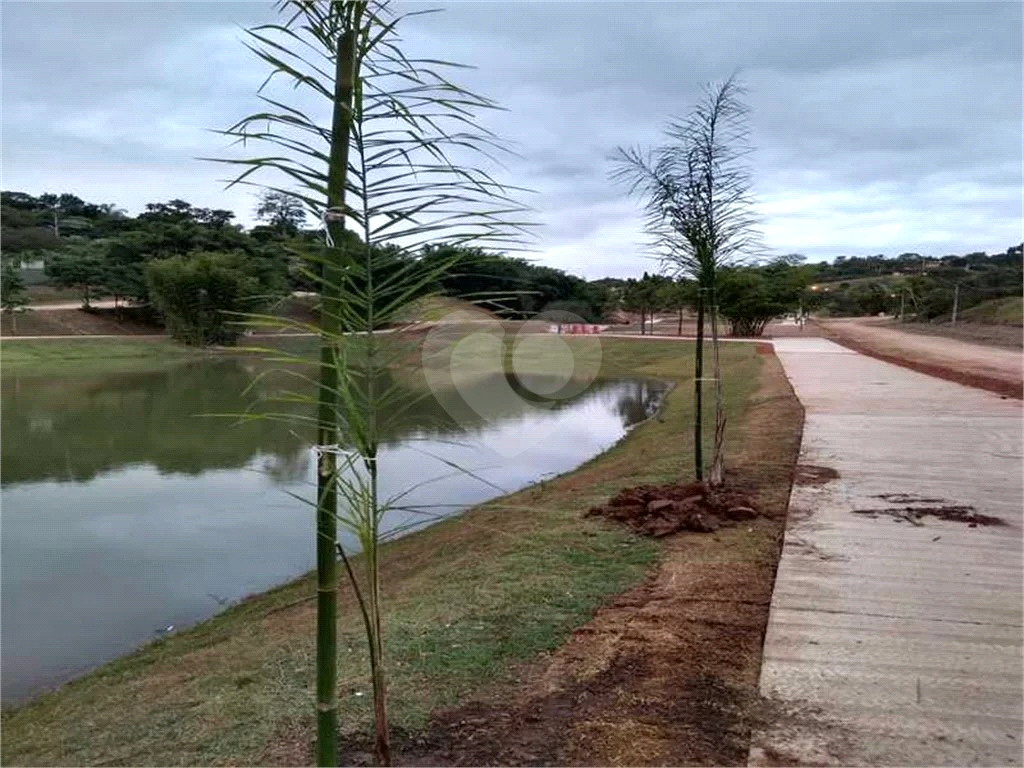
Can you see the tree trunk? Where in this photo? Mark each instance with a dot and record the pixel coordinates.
(327, 431)
(718, 458)
(698, 400)
(679, 330)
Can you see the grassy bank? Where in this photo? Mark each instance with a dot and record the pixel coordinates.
(1006, 311)
(86, 355)
(469, 601)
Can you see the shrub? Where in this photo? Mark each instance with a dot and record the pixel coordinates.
(202, 295)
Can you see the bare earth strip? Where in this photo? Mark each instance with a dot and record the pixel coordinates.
(995, 369)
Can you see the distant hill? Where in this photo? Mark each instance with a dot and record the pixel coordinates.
(924, 287)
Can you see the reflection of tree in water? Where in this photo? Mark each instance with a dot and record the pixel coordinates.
(287, 468)
(182, 420)
(100, 423)
(639, 400)
(70, 429)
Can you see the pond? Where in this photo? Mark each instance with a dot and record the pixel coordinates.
(128, 512)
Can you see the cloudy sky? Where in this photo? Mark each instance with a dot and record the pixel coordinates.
(878, 127)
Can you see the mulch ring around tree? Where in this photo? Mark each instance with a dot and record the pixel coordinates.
(666, 509)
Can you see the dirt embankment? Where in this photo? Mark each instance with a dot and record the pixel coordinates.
(1006, 336)
(75, 322)
(667, 673)
(103, 319)
(986, 367)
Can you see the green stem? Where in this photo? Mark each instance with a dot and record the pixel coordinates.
(327, 432)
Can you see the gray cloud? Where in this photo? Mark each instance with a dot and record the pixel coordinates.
(879, 127)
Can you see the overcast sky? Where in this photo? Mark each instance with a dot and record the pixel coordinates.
(878, 127)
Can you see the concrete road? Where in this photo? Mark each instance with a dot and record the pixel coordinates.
(894, 636)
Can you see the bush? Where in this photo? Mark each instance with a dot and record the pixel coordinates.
(202, 296)
(750, 297)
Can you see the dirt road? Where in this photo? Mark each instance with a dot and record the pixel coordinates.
(103, 304)
(993, 368)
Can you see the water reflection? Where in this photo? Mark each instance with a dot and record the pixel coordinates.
(125, 510)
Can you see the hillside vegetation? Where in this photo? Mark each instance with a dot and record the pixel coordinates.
(919, 287)
(1008, 311)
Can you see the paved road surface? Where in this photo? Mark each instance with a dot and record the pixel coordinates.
(890, 642)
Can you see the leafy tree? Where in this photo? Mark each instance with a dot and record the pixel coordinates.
(26, 240)
(283, 212)
(700, 215)
(677, 296)
(507, 284)
(203, 296)
(751, 297)
(13, 296)
(594, 299)
(644, 297)
(82, 265)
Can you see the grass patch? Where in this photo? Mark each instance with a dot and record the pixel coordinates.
(1005, 311)
(85, 355)
(467, 601)
(434, 309)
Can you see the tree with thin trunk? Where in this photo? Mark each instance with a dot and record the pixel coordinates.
(675, 296)
(13, 296)
(700, 215)
(284, 213)
(388, 175)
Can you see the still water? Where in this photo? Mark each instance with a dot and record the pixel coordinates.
(127, 511)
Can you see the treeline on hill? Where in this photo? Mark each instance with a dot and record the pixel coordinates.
(915, 286)
(909, 286)
(193, 270)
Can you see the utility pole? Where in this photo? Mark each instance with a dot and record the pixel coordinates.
(956, 301)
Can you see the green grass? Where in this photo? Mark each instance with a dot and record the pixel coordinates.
(85, 355)
(1005, 311)
(468, 600)
(437, 308)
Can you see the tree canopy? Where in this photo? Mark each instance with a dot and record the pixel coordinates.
(102, 251)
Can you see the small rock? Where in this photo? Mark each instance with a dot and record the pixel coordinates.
(701, 523)
(659, 505)
(742, 513)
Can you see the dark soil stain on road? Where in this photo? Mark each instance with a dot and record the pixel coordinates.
(809, 474)
(915, 508)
